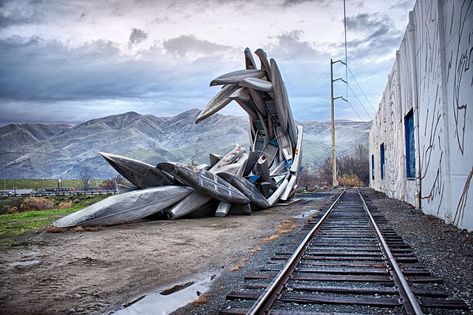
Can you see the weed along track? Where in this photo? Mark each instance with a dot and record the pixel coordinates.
(350, 261)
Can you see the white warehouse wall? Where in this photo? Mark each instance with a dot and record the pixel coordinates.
(433, 76)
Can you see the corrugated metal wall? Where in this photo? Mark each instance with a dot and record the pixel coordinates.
(432, 76)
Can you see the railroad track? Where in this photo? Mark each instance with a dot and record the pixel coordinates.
(350, 261)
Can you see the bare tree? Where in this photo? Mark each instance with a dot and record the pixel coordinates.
(324, 172)
(307, 179)
(361, 152)
(86, 173)
(355, 166)
(362, 166)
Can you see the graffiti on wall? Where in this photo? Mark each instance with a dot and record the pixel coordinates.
(458, 29)
(432, 75)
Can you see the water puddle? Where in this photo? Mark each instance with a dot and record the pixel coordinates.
(306, 214)
(177, 288)
(318, 196)
(26, 263)
(168, 299)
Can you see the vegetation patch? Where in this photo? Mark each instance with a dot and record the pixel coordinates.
(36, 203)
(13, 183)
(13, 226)
(350, 181)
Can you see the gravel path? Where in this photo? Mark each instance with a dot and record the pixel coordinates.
(286, 238)
(444, 250)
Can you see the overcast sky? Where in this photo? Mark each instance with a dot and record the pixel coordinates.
(70, 61)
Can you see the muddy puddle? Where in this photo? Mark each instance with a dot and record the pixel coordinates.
(315, 196)
(166, 300)
(24, 264)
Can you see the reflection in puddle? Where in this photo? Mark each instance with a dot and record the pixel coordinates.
(316, 196)
(176, 288)
(306, 214)
(167, 300)
(27, 263)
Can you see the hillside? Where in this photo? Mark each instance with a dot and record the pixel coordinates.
(58, 151)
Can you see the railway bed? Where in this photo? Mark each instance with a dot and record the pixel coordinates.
(349, 261)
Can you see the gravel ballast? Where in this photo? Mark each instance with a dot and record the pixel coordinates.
(444, 250)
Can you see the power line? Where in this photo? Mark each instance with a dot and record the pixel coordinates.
(356, 112)
(352, 107)
(361, 103)
(361, 89)
(333, 98)
(346, 50)
(346, 72)
(347, 68)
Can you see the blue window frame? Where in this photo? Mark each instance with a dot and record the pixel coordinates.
(372, 166)
(410, 145)
(381, 158)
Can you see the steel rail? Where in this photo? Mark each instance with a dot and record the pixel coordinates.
(269, 295)
(414, 303)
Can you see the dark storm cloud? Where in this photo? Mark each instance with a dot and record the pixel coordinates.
(288, 3)
(162, 54)
(362, 22)
(6, 21)
(48, 70)
(137, 36)
(403, 5)
(302, 66)
(12, 14)
(290, 46)
(44, 80)
(375, 35)
(188, 44)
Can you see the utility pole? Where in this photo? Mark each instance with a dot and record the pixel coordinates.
(332, 123)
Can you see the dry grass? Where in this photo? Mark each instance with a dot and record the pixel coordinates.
(271, 238)
(54, 229)
(244, 260)
(11, 209)
(80, 228)
(36, 203)
(350, 181)
(202, 299)
(255, 249)
(283, 228)
(64, 205)
(239, 264)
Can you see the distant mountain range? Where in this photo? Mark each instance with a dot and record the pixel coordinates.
(59, 151)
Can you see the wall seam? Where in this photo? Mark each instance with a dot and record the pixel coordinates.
(443, 80)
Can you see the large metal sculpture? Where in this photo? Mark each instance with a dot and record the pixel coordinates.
(238, 182)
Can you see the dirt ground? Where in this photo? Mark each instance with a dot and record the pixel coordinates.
(97, 271)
